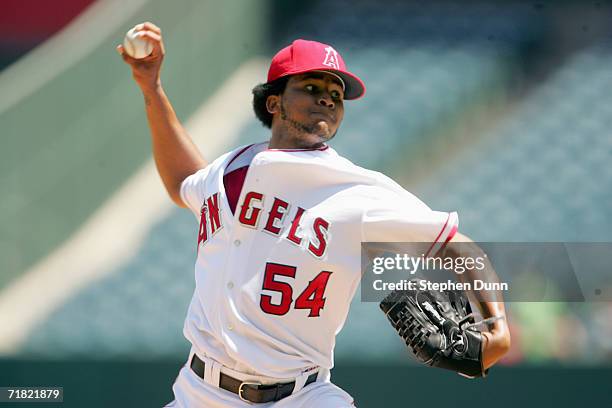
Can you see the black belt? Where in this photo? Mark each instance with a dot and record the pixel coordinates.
(251, 391)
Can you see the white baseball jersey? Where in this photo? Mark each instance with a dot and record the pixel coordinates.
(275, 279)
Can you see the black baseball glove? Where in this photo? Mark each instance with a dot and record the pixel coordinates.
(439, 328)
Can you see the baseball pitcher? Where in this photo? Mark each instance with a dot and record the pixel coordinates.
(278, 248)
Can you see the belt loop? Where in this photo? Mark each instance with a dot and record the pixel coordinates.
(300, 381)
(191, 354)
(215, 373)
(208, 367)
(323, 375)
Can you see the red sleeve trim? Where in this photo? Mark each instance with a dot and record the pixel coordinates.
(442, 230)
(236, 156)
(325, 147)
(450, 236)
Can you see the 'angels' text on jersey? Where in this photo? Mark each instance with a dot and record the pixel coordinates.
(274, 222)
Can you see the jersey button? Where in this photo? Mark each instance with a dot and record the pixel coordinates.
(230, 327)
(230, 285)
(237, 242)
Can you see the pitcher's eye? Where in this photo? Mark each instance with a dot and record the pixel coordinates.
(310, 88)
(336, 95)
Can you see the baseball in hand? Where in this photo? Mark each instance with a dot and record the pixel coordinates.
(136, 46)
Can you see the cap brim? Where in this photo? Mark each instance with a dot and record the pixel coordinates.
(355, 88)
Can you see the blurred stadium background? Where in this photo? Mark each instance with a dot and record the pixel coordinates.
(499, 110)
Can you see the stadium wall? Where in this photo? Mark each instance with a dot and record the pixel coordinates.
(145, 384)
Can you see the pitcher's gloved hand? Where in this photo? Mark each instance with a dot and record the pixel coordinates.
(439, 328)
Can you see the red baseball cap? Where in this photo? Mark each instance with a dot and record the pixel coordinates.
(306, 56)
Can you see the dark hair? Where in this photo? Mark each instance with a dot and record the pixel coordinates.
(260, 97)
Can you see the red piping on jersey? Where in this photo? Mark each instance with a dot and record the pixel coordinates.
(438, 237)
(299, 150)
(450, 236)
(236, 156)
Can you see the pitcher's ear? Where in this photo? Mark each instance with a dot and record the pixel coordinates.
(273, 104)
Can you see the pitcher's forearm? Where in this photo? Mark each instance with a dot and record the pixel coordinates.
(176, 155)
(496, 341)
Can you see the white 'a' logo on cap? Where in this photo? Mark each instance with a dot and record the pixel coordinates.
(331, 58)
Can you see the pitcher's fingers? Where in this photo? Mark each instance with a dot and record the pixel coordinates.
(148, 26)
(155, 39)
(121, 50)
